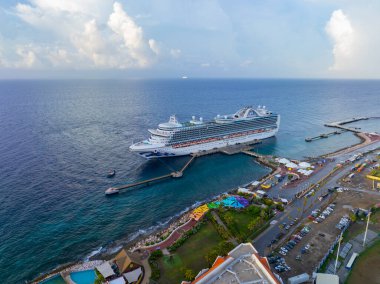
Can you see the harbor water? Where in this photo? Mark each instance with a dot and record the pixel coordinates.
(59, 139)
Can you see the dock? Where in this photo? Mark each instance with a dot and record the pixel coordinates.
(339, 124)
(325, 135)
(229, 150)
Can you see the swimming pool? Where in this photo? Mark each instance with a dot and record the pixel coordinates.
(54, 280)
(83, 277)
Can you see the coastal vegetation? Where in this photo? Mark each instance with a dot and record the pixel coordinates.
(242, 223)
(99, 277)
(212, 237)
(190, 255)
(185, 237)
(153, 262)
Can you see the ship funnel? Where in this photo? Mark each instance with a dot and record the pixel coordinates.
(193, 117)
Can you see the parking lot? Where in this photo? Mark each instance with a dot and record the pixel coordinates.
(303, 251)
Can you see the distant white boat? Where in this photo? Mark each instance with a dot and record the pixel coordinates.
(184, 77)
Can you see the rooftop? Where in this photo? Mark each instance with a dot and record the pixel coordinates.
(242, 265)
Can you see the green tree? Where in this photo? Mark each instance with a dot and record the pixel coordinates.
(229, 218)
(189, 274)
(252, 225)
(224, 248)
(211, 256)
(353, 217)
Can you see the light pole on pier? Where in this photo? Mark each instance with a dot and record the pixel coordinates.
(366, 228)
(337, 254)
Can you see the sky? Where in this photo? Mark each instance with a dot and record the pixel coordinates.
(194, 38)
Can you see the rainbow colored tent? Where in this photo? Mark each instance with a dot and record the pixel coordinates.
(235, 202)
(213, 205)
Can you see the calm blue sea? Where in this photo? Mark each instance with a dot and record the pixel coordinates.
(58, 139)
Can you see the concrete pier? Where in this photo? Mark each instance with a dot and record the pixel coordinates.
(339, 124)
(229, 150)
(325, 135)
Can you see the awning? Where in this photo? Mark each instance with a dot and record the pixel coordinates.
(119, 280)
(133, 276)
(105, 269)
(283, 161)
(291, 165)
(304, 165)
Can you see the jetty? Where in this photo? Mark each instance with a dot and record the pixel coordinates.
(176, 174)
(229, 150)
(324, 135)
(339, 124)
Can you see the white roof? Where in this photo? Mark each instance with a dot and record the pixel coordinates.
(255, 183)
(244, 190)
(242, 266)
(323, 278)
(291, 165)
(283, 161)
(105, 269)
(119, 280)
(304, 165)
(133, 275)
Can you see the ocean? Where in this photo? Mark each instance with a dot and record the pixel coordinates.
(58, 140)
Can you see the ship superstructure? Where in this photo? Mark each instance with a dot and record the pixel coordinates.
(173, 138)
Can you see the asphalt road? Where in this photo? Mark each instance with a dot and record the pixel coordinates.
(306, 205)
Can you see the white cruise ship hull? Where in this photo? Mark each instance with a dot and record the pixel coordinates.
(169, 151)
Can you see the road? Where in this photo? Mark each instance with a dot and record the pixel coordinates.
(308, 204)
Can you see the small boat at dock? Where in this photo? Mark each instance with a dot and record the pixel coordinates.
(111, 174)
(111, 191)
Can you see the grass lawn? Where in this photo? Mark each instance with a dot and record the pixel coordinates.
(240, 221)
(366, 267)
(191, 255)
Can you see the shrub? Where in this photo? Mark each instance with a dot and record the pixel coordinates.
(156, 254)
(189, 274)
(222, 249)
(253, 210)
(280, 207)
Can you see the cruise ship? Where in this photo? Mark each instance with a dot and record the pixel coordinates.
(173, 138)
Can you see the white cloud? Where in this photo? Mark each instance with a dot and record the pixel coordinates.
(154, 46)
(341, 32)
(247, 63)
(27, 58)
(175, 53)
(83, 34)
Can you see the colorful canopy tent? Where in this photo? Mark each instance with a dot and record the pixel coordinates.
(235, 202)
(242, 201)
(213, 205)
(199, 212)
(133, 276)
(105, 269)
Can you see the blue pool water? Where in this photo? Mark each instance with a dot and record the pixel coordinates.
(54, 280)
(83, 277)
(58, 139)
